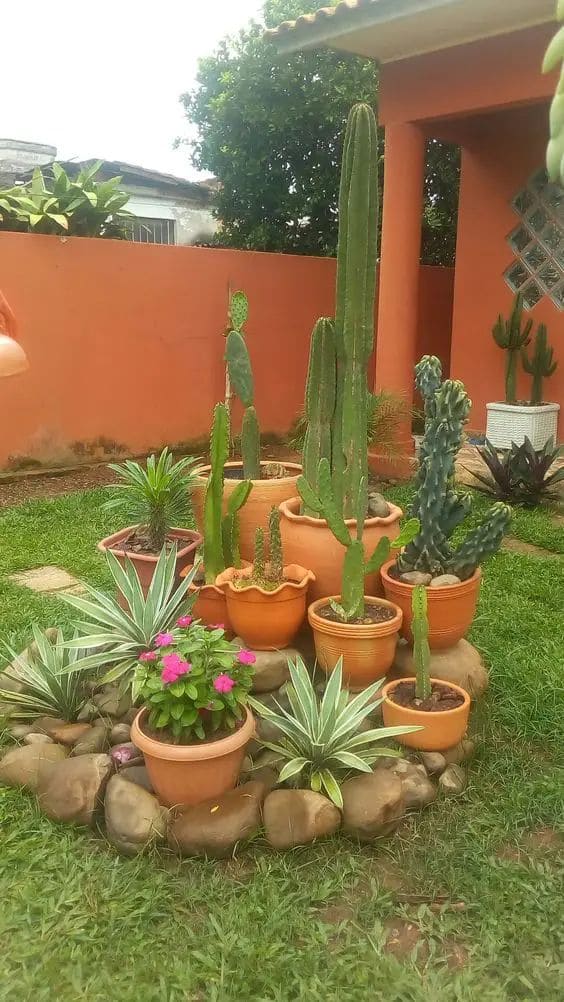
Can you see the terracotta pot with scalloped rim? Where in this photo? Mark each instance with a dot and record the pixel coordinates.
(266, 620)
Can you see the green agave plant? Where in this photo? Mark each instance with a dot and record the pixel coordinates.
(47, 687)
(321, 743)
(117, 636)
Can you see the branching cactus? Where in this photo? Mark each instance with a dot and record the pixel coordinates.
(356, 566)
(421, 649)
(221, 532)
(337, 390)
(541, 365)
(438, 506)
(240, 375)
(512, 336)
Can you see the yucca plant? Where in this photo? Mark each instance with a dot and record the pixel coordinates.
(118, 636)
(47, 684)
(156, 498)
(321, 743)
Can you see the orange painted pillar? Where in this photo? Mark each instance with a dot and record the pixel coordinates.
(404, 164)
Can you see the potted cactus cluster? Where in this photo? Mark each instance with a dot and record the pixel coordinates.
(513, 420)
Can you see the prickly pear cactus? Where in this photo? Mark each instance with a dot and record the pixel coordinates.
(439, 507)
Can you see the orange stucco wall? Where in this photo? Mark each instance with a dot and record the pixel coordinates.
(124, 340)
(500, 153)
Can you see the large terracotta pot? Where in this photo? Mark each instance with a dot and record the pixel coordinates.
(310, 541)
(266, 620)
(441, 730)
(265, 495)
(184, 775)
(367, 651)
(450, 610)
(187, 541)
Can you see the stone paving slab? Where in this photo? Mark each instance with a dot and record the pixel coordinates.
(48, 580)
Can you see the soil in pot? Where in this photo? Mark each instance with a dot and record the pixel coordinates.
(367, 648)
(372, 614)
(138, 542)
(442, 698)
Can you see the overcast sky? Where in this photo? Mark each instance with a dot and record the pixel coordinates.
(103, 79)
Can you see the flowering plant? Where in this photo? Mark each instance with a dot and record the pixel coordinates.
(193, 681)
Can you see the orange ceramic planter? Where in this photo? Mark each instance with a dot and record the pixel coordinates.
(441, 730)
(266, 620)
(145, 563)
(211, 604)
(265, 495)
(450, 610)
(368, 651)
(310, 540)
(184, 775)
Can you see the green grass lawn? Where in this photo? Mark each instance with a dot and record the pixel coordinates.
(79, 922)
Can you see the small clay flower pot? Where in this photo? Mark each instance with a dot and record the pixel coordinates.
(184, 775)
(450, 610)
(367, 650)
(211, 602)
(186, 540)
(266, 620)
(442, 729)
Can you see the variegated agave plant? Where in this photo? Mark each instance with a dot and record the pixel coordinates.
(116, 636)
(321, 742)
(43, 683)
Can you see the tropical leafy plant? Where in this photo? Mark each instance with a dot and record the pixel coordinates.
(117, 635)
(321, 743)
(53, 202)
(156, 498)
(521, 474)
(45, 685)
(194, 683)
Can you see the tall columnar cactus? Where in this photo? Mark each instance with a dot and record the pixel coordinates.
(553, 59)
(276, 572)
(221, 532)
(356, 566)
(346, 353)
(240, 376)
(512, 337)
(438, 506)
(421, 649)
(541, 365)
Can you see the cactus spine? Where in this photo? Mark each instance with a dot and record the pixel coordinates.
(221, 533)
(240, 375)
(421, 650)
(342, 359)
(512, 337)
(355, 566)
(276, 570)
(259, 563)
(437, 505)
(541, 365)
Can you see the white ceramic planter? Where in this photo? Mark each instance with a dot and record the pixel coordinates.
(508, 423)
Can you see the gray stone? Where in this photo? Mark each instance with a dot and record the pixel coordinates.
(22, 766)
(416, 578)
(265, 775)
(461, 664)
(38, 739)
(214, 827)
(120, 734)
(88, 713)
(20, 731)
(378, 507)
(453, 780)
(47, 725)
(373, 804)
(267, 758)
(270, 668)
(268, 731)
(134, 817)
(138, 774)
(443, 580)
(434, 762)
(111, 703)
(93, 742)
(418, 790)
(461, 752)
(48, 579)
(298, 817)
(68, 734)
(72, 790)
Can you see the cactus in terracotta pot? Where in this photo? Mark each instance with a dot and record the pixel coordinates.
(540, 365)
(421, 649)
(221, 532)
(337, 390)
(437, 504)
(241, 381)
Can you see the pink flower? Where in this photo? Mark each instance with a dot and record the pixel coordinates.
(184, 621)
(168, 676)
(216, 626)
(173, 668)
(164, 640)
(246, 657)
(148, 656)
(224, 683)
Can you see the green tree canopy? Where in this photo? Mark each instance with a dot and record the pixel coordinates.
(270, 128)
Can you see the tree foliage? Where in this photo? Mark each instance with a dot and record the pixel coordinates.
(270, 128)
